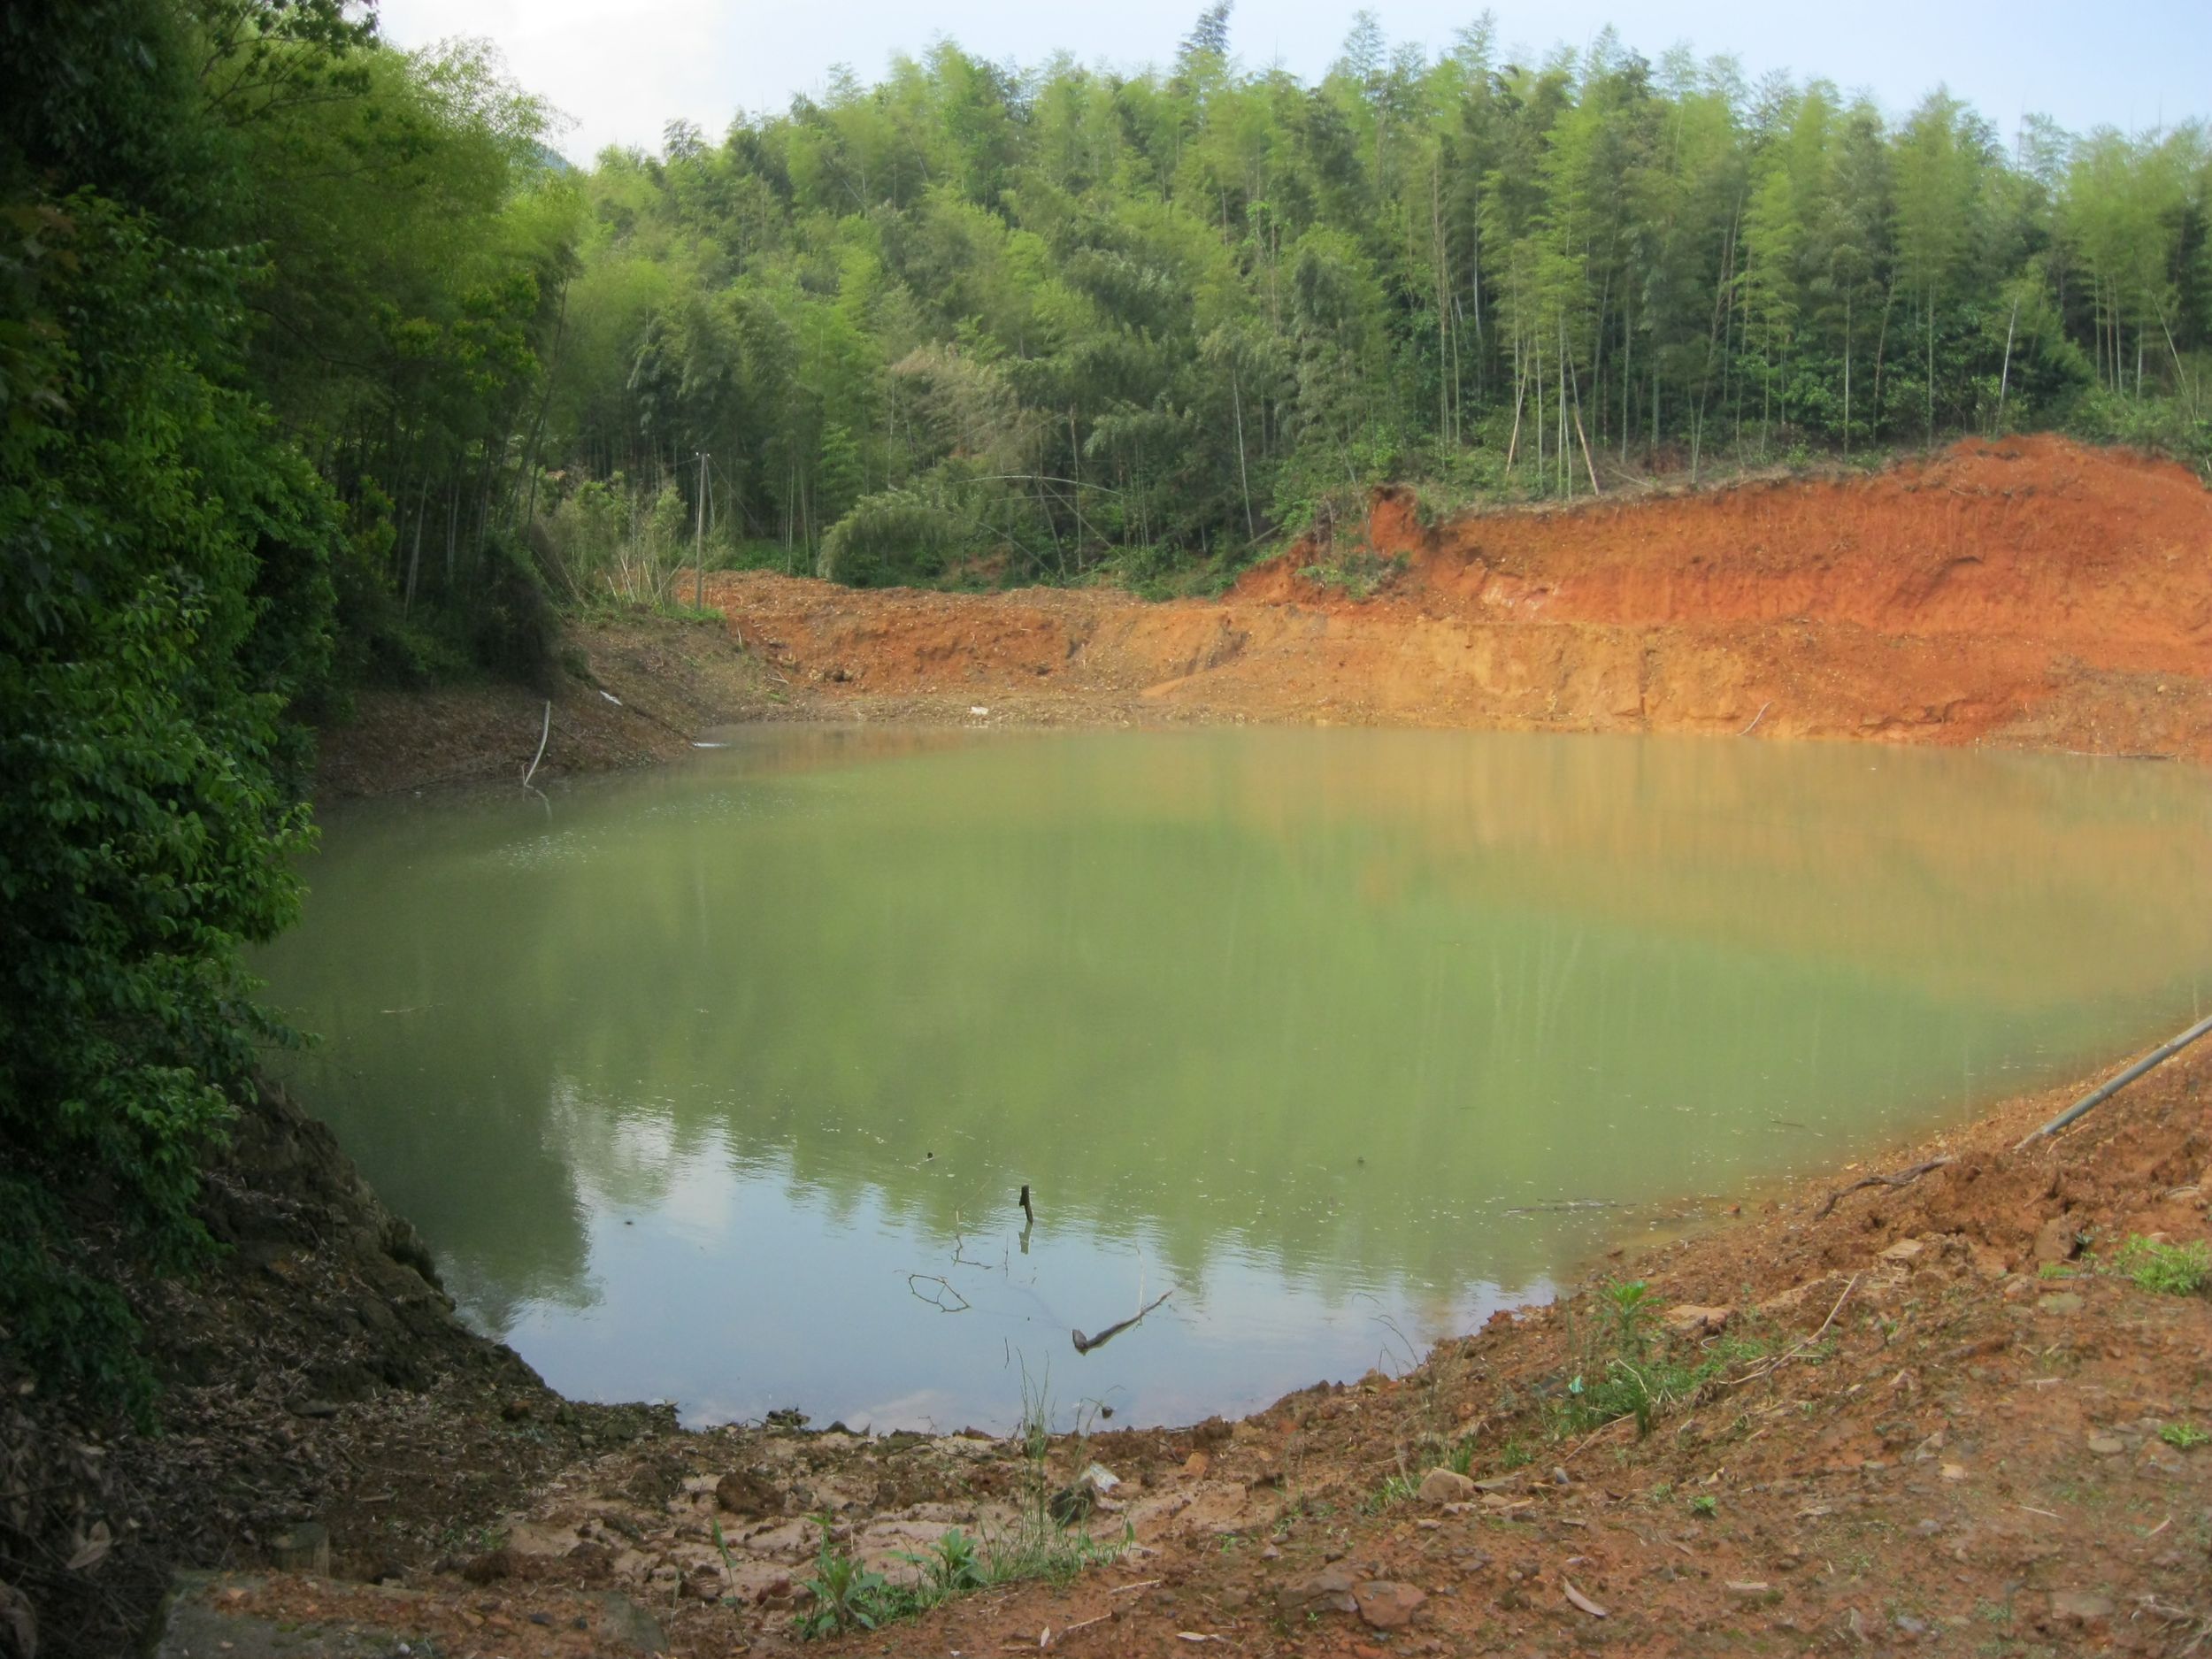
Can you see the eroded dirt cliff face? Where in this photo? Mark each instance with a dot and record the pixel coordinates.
(2032, 592)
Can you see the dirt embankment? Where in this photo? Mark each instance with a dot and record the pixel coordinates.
(2034, 592)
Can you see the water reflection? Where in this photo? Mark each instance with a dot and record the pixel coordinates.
(1321, 1029)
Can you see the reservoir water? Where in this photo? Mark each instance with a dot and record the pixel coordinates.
(717, 1085)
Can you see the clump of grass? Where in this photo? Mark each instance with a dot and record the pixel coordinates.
(1625, 1371)
(847, 1594)
(2165, 1269)
(1705, 1505)
(2184, 1437)
(1395, 1489)
(1359, 573)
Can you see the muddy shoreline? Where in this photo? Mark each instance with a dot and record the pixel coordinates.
(2032, 595)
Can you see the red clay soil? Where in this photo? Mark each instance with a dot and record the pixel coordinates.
(2033, 593)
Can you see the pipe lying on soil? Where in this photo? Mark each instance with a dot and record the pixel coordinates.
(2105, 1091)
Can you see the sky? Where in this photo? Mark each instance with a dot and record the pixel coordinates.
(621, 69)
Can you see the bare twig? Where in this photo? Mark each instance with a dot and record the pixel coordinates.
(1580, 1599)
(1903, 1178)
(1756, 719)
(944, 1289)
(1085, 1344)
(532, 771)
(1781, 1360)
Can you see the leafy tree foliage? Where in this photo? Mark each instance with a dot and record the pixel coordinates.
(271, 295)
(1123, 322)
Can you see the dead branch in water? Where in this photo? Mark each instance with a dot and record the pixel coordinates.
(944, 1289)
(1903, 1178)
(531, 769)
(1085, 1344)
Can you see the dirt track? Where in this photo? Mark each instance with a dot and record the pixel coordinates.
(2033, 593)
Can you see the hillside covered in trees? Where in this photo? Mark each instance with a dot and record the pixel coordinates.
(1066, 318)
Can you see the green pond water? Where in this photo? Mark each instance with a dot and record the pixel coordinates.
(717, 1085)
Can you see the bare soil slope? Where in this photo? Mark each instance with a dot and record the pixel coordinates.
(2034, 592)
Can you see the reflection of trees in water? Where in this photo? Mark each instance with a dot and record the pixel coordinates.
(1336, 1005)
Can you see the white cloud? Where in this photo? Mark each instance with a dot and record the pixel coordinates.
(620, 71)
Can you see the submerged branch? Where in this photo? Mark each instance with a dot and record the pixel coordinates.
(1085, 1344)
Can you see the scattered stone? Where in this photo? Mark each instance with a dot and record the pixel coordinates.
(493, 1564)
(745, 1491)
(592, 1557)
(1748, 1587)
(1071, 1506)
(627, 1623)
(1444, 1486)
(2056, 1241)
(1582, 1600)
(1954, 1472)
(302, 1547)
(1327, 1588)
(2063, 1302)
(1903, 1250)
(1197, 1464)
(1688, 1319)
(2106, 1445)
(1387, 1606)
(2080, 1607)
(1559, 1476)
(1100, 1479)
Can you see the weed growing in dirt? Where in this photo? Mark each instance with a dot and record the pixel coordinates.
(1396, 1489)
(846, 1595)
(1358, 573)
(1624, 1371)
(1705, 1504)
(2184, 1436)
(2166, 1270)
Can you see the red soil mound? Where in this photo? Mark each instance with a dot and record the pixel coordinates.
(2034, 591)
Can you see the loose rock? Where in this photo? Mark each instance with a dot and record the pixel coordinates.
(1446, 1486)
(1386, 1605)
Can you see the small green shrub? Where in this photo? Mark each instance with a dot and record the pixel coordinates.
(2165, 1269)
(1358, 573)
(847, 1595)
(1396, 1489)
(2184, 1436)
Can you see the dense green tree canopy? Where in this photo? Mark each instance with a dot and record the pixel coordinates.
(1061, 319)
(262, 281)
